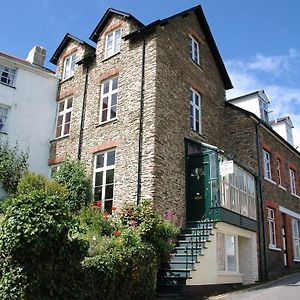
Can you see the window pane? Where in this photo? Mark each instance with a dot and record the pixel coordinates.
(58, 131)
(69, 104)
(105, 103)
(108, 205)
(220, 252)
(230, 251)
(115, 83)
(98, 179)
(109, 191)
(114, 99)
(100, 161)
(109, 176)
(98, 193)
(113, 112)
(61, 106)
(105, 87)
(67, 128)
(59, 120)
(111, 158)
(104, 115)
(68, 117)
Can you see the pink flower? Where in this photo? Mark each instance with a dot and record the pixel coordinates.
(113, 208)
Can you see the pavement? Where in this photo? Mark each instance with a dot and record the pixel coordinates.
(284, 288)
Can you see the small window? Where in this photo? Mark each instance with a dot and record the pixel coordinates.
(103, 179)
(7, 75)
(113, 43)
(109, 100)
(69, 66)
(227, 252)
(54, 169)
(194, 49)
(267, 165)
(272, 227)
(264, 110)
(3, 118)
(293, 181)
(296, 238)
(278, 171)
(64, 114)
(195, 111)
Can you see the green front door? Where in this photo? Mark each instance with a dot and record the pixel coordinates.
(198, 186)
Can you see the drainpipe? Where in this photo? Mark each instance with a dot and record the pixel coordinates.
(141, 122)
(85, 62)
(260, 209)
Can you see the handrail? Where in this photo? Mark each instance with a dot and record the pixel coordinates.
(194, 242)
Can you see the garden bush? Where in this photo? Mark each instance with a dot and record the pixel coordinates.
(38, 258)
(72, 175)
(124, 254)
(13, 163)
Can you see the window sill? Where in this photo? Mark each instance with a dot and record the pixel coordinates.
(66, 79)
(60, 138)
(275, 248)
(281, 187)
(11, 86)
(295, 195)
(296, 259)
(3, 132)
(108, 57)
(196, 64)
(112, 121)
(229, 273)
(270, 180)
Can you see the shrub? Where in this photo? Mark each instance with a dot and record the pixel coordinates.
(125, 249)
(72, 175)
(38, 258)
(13, 163)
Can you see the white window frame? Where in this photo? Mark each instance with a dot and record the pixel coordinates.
(3, 118)
(54, 169)
(296, 238)
(224, 255)
(8, 79)
(272, 227)
(278, 171)
(194, 49)
(104, 170)
(193, 110)
(292, 174)
(115, 42)
(64, 113)
(267, 165)
(69, 66)
(109, 96)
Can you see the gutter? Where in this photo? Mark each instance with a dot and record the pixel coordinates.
(260, 213)
(141, 123)
(85, 62)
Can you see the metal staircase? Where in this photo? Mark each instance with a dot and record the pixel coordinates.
(185, 257)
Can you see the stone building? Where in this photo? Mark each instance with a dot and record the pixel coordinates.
(267, 147)
(145, 110)
(27, 106)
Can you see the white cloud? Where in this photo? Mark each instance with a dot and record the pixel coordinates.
(284, 100)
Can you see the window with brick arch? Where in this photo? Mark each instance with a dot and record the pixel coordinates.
(103, 179)
(63, 120)
(272, 227)
(278, 171)
(195, 111)
(113, 43)
(109, 100)
(194, 49)
(293, 181)
(267, 164)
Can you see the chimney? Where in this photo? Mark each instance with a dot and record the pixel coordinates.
(37, 56)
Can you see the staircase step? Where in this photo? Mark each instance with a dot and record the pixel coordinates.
(178, 264)
(175, 273)
(197, 231)
(184, 250)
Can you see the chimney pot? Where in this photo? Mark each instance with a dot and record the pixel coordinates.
(37, 56)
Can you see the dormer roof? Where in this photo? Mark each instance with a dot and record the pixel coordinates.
(108, 14)
(68, 37)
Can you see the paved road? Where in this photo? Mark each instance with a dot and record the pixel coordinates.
(287, 288)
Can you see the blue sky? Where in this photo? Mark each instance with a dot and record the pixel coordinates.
(259, 40)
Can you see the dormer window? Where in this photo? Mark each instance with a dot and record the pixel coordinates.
(7, 75)
(69, 66)
(194, 49)
(264, 111)
(113, 43)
